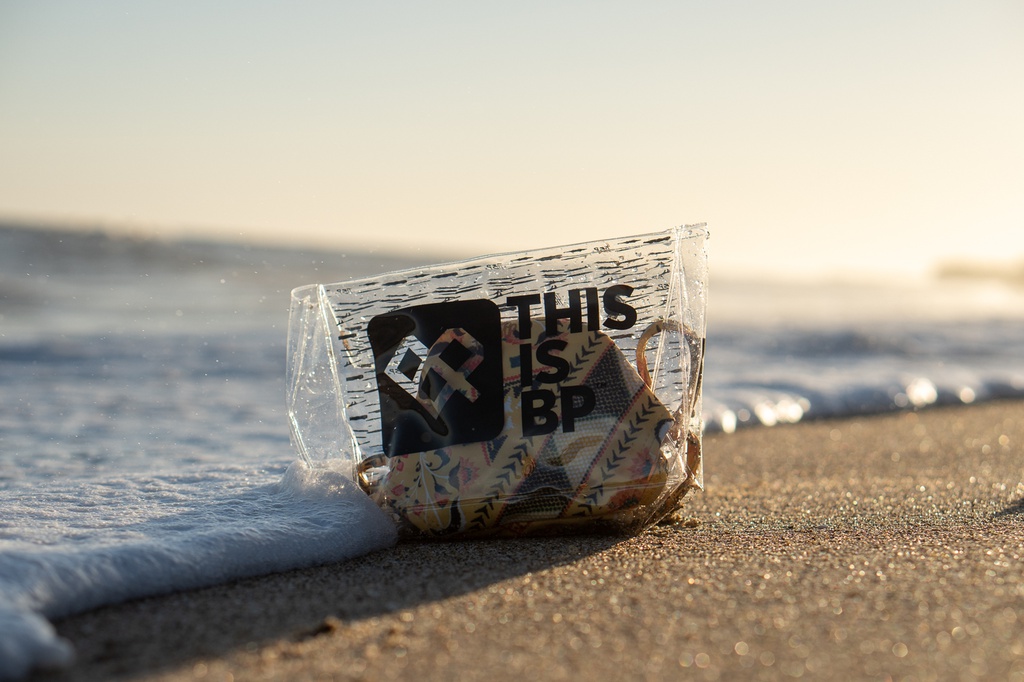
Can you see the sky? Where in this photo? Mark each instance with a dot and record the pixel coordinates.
(812, 138)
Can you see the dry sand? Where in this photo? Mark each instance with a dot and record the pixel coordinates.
(871, 548)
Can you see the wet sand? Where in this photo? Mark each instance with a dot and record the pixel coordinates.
(874, 548)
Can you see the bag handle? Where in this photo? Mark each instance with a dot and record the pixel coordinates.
(656, 328)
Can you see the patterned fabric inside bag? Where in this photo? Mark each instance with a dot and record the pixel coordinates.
(581, 440)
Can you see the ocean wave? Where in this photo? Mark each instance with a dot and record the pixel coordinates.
(165, 538)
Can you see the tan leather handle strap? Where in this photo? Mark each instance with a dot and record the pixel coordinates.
(641, 345)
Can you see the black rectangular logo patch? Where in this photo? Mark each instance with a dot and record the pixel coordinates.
(439, 375)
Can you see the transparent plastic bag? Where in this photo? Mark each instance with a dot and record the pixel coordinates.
(545, 391)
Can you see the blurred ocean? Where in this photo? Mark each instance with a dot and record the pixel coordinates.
(144, 443)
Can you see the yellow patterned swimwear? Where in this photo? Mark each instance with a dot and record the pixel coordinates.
(582, 440)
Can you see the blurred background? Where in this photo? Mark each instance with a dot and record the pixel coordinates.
(813, 138)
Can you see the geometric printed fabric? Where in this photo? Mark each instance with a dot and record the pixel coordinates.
(609, 463)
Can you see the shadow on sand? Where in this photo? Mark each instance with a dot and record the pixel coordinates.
(155, 634)
(1013, 509)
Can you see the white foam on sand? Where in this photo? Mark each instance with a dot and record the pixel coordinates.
(77, 546)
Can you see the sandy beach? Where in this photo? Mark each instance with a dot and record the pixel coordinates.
(882, 547)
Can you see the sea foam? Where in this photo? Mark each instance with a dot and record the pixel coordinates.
(107, 542)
